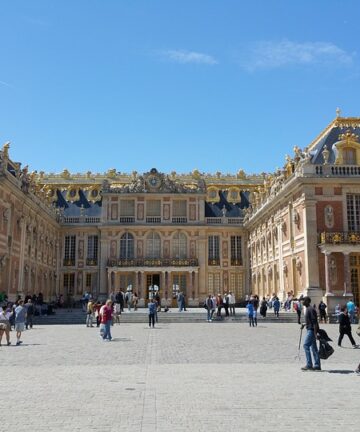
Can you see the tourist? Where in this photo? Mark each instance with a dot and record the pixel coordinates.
(152, 312)
(263, 307)
(180, 301)
(20, 318)
(106, 319)
(89, 313)
(232, 303)
(135, 301)
(350, 305)
(29, 313)
(276, 306)
(209, 306)
(128, 299)
(116, 313)
(337, 312)
(345, 327)
(226, 301)
(255, 302)
(97, 308)
(5, 325)
(213, 308)
(250, 313)
(219, 305)
(312, 329)
(119, 299)
(322, 311)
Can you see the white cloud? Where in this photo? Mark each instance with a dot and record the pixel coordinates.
(183, 56)
(268, 54)
(5, 84)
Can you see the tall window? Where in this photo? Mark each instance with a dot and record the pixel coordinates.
(214, 283)
(69, 283)
(69, 249)
(127, 207)
(88, 280)
(214, 250)
(153, 208)
(349, 156)
(353, 211)
(179, 208)
(236, 285)
(153, 245)
(236, 258)
(127, 246)
(179, 282)
(92, 249)
(179, 249)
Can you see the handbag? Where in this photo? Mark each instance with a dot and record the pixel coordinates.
(325, 349)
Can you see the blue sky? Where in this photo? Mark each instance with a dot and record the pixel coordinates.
(177, 85)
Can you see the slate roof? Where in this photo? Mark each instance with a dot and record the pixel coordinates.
(328, 141)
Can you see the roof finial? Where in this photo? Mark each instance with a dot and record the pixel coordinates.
(338, 112)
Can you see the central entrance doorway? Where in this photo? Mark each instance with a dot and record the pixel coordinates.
(152, 285)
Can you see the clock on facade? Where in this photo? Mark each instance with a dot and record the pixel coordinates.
(153, 181)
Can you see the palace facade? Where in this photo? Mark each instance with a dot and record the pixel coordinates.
(295, 230)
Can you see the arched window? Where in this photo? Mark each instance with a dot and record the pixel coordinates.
(153, 245)
(179, 246)
(127, 246)
(349, 156)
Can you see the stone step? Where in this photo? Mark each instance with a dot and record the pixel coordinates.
(79, 317)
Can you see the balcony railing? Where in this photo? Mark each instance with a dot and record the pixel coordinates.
(91, 262)
(339, 237)
(69, 262)
(77, 220)
(338, 170)
(214, 261)
(236, 262)
(179, 220)
(127, 219)
(223, 220)
(153, 220)
(154, 262)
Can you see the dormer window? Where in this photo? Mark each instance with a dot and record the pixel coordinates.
(349, 156)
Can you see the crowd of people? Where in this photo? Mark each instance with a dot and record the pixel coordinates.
(17, 316)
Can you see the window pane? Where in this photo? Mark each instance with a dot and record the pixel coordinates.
(179, 208)
(153, 208)
(127, 207)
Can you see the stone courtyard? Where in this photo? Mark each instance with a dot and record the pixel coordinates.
(176, 377)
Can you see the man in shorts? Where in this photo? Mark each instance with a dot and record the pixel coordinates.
(20, 318)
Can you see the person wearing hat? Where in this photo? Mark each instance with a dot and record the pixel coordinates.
(312, 329)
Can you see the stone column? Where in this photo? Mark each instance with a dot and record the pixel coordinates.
(327, 274)
(311, 264)
(347, 279)
(20, 288)
(195, 288)
(280, 291)
(104, 285)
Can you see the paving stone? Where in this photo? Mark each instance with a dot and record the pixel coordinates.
(178, 377)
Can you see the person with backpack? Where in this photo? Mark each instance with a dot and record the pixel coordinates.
(263, 307)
